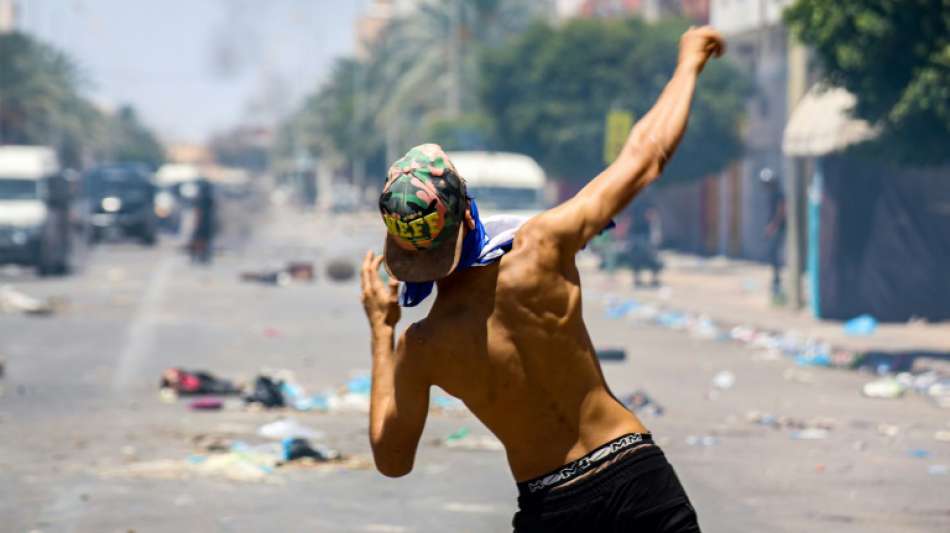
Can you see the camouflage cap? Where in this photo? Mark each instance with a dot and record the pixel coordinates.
(423, 206)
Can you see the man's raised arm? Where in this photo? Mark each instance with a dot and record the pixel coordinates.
(650, 144)
(399, 397)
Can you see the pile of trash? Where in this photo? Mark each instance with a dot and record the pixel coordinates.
(238, 460)
(279, 390)
(804, 351)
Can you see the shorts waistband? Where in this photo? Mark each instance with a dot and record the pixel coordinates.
(575, 468)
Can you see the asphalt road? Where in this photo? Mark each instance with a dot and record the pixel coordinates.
(79, 404)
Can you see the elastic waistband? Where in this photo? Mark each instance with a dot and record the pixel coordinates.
(573, 469)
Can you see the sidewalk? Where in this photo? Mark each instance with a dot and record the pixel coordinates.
(733, 292)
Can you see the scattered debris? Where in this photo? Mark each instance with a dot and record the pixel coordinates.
(888, 430)
(295, 449)
(888, 388)
(918, 453)
(612, 354)
(288, 428)
(206, 404)
(618, 310)
(787, 422)
(447, 403)
(810, 434)
(341, 269)
(301, 271)
(463, 439)
(704, 441)
(641, 403)
(211, 443)
(266, 392)
(861, 326)
(185, 382)
(295, 271)
(724, 380)
(938, 470)
(798, 376)
(15, 301)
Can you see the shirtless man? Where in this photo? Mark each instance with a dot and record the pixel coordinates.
(508, 338)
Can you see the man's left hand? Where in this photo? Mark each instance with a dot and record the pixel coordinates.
(380, 300)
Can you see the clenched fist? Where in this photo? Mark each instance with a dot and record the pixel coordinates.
(697, 45)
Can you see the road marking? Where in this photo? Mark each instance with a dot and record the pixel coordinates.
(141, 335)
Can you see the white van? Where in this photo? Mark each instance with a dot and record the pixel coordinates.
(36, 226)
(503, 182)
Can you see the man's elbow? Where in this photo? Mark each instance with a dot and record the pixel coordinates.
(391, 461)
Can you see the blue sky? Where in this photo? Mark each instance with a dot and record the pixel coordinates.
(192, 67)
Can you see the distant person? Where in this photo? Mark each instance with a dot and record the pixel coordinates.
(202, 237)
(508, 338)
(775, 229)
(644, 241)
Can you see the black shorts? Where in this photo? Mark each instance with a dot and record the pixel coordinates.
(625, 485)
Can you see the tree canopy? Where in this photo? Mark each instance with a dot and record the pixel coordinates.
(491, 74)
(420, 82)
(551, 90)
(894, 55)
(41, 103)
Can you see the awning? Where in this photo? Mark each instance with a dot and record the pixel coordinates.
(822, 124)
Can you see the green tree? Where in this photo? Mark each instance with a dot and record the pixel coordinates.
(41, 103)
(551, 89)
(421, 80)
(894, 55)
(133, 141)
(39, 98)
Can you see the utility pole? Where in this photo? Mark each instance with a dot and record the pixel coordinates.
(455, 61)
(795, 179)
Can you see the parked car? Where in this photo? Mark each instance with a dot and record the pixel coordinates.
(122, 201)
(39, 219)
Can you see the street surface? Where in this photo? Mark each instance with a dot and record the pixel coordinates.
(79, 402)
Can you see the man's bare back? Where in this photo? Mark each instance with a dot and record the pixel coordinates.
(509, 340)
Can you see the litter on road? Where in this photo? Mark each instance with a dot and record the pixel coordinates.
(612, 354)
(186, 382)
(15, 301)
(464, 440)
(724, 380)
(887, 388)
(641, 403)
(288, 428)
(341, 270)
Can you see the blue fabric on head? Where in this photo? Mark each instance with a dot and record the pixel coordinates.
(413, 293)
